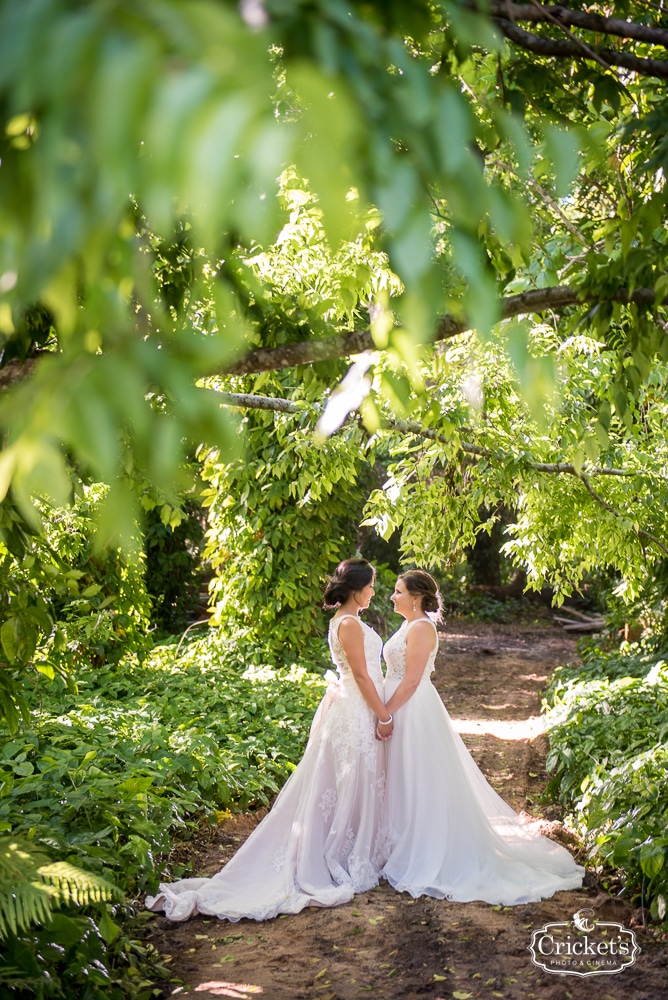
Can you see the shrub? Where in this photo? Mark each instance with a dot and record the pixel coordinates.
(608, 728)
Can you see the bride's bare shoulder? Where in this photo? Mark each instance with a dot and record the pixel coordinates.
(348, 624)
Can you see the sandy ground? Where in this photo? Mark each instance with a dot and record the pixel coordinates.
(388, 945)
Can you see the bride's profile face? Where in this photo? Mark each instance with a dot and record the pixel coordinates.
(402, 600)
(363, 597)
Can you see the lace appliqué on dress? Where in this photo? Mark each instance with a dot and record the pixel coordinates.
(327, 803)
(363, 874)
(354, 740)
(348, 843)
(380, 787)
(278, 860)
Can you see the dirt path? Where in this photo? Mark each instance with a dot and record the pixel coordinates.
(388, 945)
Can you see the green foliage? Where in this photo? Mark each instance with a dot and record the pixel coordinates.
(173, 565)
(647, 612)
(30, 884)
(608, 727)
(75, 955)
(61, 601)
(104, 779)
(585, 497)
(24, 899)
(426, 166)
(278, 523)
(189, 736)
(191, 88)
(481, 168)
(282, 516)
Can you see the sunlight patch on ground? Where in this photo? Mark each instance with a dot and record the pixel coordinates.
(503, 729)
(238, 990)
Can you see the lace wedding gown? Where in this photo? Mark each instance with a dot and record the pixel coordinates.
(448, 833)
(318, 844)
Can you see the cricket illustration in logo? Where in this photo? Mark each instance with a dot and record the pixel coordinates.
(582, 921)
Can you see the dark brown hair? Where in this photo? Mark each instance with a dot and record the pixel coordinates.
(350, 576)
(420, 584)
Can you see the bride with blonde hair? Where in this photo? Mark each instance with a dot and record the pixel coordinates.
(448, 834)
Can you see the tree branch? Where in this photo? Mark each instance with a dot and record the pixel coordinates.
(640, 532)
(549, 467)
(543, 46)
(576, 41)
(306, 352)
(580, 19)
(549, 200)
(15, 370)
(245, 401)
(344, 344)
(411, 427)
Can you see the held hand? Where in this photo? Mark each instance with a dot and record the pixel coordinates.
(384, 729)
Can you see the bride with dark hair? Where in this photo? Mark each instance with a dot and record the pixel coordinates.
(448, 833)
(318, 844)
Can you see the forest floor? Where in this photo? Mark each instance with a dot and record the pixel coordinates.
(386, 944)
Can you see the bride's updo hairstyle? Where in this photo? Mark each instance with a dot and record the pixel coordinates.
(422, 586)
(350, 576)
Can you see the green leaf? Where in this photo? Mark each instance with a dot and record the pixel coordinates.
(661, 287)
(108, 929)
(563, 149)
(652, 858)
(454, 129)
(18, 636)
(619, 398)
(10, 637)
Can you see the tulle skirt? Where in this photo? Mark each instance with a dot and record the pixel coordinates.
(447, 833)
(319, 843)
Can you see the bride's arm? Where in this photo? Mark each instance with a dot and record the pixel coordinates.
(419, 644)
(351, 638)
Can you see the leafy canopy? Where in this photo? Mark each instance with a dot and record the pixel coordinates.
(465, 140)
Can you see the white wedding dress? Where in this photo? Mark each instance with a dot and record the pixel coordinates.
(319, 843)
(448, 833)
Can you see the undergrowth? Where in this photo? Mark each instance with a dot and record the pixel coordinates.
(107, 777)
(608, 729)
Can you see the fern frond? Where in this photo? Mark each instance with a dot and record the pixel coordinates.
(17, 979)
(28, 904)
(24, 898)
(69, 884)
(30, 885)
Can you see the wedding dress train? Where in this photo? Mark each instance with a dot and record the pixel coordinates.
(319, 843)
(448, 833)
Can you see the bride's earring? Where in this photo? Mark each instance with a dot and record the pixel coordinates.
(413, 605)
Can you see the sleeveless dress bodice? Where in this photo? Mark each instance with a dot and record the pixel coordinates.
(353, 737)
(373, 646)
(394, 652)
